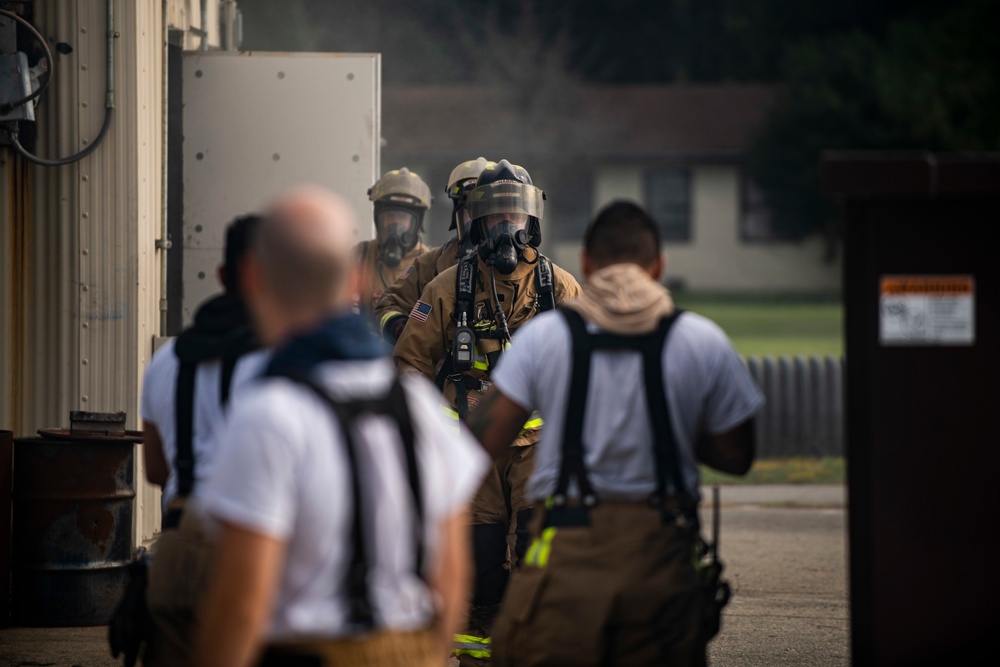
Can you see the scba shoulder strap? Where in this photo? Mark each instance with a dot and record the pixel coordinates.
(465, 287)
(665, 453)
(466, 279)
(466, 282)
(545, 279)
(393, 404)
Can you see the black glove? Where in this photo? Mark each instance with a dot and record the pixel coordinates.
(393, 329)
(129, 624)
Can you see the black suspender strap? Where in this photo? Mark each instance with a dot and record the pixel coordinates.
(184, 426)
(226, 377)
(184, 462)
(572, 440)
(361, 610)
(665, 451)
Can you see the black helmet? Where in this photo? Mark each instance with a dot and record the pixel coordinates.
(400, 199)
(506, 188)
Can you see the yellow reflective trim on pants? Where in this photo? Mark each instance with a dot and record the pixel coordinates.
(472, 646)
(540, 549)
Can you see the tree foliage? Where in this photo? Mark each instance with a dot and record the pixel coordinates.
(856, 73)
(929, 83)
(614, 41)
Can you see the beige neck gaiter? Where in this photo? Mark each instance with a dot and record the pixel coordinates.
(623, 299)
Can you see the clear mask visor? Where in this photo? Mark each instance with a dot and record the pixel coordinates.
(511, 199)
(398, 220)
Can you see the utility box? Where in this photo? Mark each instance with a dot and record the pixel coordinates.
(15, 85)
(256, 123)
(922, 319)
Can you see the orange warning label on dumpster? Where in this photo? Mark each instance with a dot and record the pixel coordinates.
(927, 285)
(927, 310)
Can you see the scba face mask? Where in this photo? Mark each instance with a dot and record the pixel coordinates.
(397, 234)
(506, 242)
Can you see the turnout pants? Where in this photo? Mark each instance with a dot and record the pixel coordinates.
(501, 514)
(178, 577)
(380, 649)
(622, 591)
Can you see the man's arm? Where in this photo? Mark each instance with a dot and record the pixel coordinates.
(156, 464)
(422, 344)
(451, 578)
(566, 288)
(393, 308)
(239, 598)
(496, 421)
(731, 452)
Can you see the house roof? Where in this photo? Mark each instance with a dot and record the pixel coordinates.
(608, 122)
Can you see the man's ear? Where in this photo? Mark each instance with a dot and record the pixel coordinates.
(656, 269)
(250, 282)
(586, 265)
(220, 275)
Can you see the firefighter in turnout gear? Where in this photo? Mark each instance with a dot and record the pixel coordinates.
(393, 308)
(456, 333)
(401, 199)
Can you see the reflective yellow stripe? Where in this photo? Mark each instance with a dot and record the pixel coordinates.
(534, 422)
(540, 549)
(543, 553)
(451, 414)
(479, 359)
(385, 319)
(470, 645)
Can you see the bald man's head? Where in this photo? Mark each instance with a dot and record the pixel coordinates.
(303, 250)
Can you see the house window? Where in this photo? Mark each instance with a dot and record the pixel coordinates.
(756, 218)
(668, 199)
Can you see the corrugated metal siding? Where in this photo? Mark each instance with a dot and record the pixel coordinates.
(804, 412)
(89, 261)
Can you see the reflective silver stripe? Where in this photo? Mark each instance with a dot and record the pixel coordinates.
(460, 646)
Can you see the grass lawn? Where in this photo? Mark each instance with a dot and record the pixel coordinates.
(797, 470)
(773, 326)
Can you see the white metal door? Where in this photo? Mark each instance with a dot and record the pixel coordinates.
(257, 123)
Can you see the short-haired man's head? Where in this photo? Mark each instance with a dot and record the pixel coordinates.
(303, 249)
(621, 233)
(239, 238)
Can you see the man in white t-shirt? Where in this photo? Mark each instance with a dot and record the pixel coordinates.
(187, 388)
(634, 395)
(340, 490)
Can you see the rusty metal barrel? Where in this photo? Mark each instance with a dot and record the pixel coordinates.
(73, 506)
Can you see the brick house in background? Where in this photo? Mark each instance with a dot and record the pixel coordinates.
(678, 150)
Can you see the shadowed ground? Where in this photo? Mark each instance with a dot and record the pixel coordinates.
(784, 549)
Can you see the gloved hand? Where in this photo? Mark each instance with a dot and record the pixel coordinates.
(129, 625)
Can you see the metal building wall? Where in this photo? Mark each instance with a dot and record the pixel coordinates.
(78, 262)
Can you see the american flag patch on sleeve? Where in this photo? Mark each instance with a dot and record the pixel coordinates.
(420, 311)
